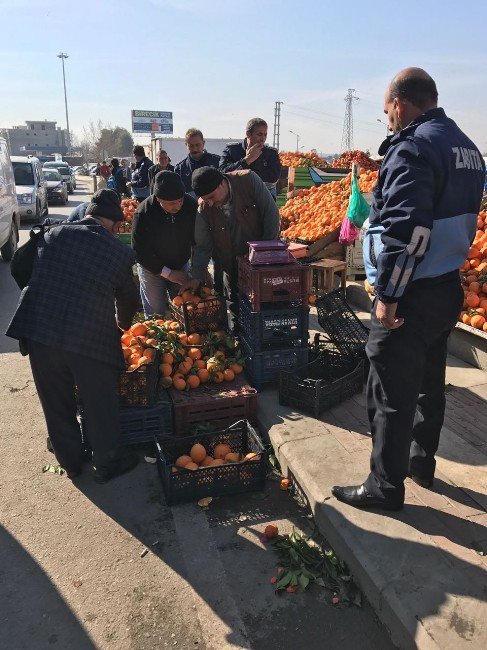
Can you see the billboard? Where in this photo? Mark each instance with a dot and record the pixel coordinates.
(151, 122)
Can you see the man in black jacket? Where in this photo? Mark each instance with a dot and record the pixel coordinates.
(163, 164)
(119, 182)
(162, 237)
(140, 176)
(253, 154)
(197, 157)
(66, 322)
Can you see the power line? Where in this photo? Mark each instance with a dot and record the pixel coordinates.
(312, 110)
(334, 123)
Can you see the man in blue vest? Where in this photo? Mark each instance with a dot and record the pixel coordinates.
(422, 223)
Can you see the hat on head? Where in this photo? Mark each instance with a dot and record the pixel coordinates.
(168, 186)
(205, 180)
(105, 203)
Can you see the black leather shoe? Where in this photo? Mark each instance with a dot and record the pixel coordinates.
(426, 483)
(124, 462)
(359, 497)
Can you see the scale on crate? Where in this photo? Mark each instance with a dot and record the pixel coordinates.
(269, 252)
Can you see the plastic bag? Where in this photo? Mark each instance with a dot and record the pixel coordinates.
(348, 232)
(358, 208)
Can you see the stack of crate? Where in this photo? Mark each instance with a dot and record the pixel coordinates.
(273, 318)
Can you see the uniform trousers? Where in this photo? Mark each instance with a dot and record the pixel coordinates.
(406, 384)
(56, 374)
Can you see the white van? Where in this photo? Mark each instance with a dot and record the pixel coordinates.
(31, 187)
(9, 208)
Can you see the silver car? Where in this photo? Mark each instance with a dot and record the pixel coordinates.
(30, 187)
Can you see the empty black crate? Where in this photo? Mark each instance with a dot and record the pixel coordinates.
(264, 367)
(321, 384)
(190, 485)
(341, 325)
(273, 327)
(142, 424)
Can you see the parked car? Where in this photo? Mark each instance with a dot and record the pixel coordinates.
(30, 187)
(65, 170)
(57, 192)
(9, 207)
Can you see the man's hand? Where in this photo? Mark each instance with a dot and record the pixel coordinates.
(178, 277)
(253, 153)
(191, 285)
(386, 315)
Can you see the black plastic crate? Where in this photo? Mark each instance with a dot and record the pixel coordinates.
(208, 314)
(264, 367)
(184, 485)
(139, 387)
(273, 327)
(341, 325)
(325, 382)
(140, 425)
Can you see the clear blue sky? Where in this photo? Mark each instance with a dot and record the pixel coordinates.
(215, 63)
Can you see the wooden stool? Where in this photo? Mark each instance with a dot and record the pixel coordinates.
(322, 275)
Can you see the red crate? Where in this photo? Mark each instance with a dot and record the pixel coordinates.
(273, 284)
(220, 404)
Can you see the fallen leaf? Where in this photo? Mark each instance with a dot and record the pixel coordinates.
(77, 583)
(205, 502)
(149, 459)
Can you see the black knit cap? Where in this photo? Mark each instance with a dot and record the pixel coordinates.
(105, 203)
(168, 186)
(205, 180)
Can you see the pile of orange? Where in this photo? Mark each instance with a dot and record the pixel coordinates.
(129, 206)
(290, 159)
(201, 360)
(316, 211)
(474, 279)
(139, 346)
(195, 300)
(198, 457)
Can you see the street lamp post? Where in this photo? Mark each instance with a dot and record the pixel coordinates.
(63, 56)
(297, 140)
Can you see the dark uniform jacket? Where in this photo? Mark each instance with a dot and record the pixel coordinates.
(426, 202)
(267, 166)
(186, 167)
(80, 274)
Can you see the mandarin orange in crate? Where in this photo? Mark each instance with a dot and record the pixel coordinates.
(200, 312)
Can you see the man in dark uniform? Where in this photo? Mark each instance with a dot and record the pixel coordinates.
(254, 154)
(422, 222)
(163, 164)
(197, 157)
(66, 322)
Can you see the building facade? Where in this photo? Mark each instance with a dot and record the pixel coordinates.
(37, 138)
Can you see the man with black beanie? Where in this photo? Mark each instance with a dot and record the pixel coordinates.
(80, 289)
(162, 238)
(235, 208)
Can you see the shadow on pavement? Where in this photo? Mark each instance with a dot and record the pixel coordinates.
(34, 614)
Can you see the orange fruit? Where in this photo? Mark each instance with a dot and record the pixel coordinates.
(177, 301)
(143, 361)
(474, 287)
(232, 457)
(174, 469)
(184, 339)
(195, 353)
(182, 461)
(221, 450)
(205, 292)
(187, 296)
(217, 377)
(472, 300)
(200, 363)
(127, 353)
(139, 329)
(193, 381)
(252, 456)
(166, 369)
(477, 321)
(207, 461)
(217, 461)
(219, 355)
(167, 357)
(192, 466)
(184, 368)
(150, 353)
(151, 342)
(271, 531)
(237, 368)
(228, 375)
(179, 384)
(203, 375)
(194, 339)
(284, 484)
(197, 453)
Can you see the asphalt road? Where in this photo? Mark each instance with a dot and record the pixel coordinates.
(71, 571)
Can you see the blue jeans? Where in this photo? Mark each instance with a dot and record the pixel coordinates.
(154, 290)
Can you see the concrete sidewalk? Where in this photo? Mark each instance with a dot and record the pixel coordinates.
(422, 569)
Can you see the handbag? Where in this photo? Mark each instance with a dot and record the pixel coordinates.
(24, 257)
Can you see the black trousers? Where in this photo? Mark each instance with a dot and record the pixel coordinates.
(56, 373)
(406, 384)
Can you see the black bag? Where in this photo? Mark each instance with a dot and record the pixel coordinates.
(24, 257)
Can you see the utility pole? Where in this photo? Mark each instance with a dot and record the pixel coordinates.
(347, 135)
(297, 140)
(277, 125)
(63, 56)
